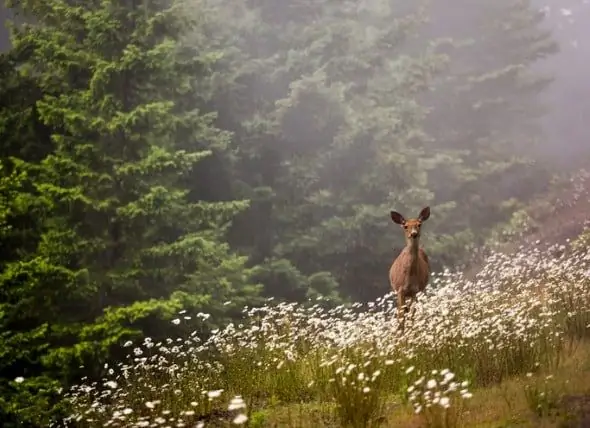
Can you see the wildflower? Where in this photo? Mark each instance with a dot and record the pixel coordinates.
(236, 403)
(240, 419)
(19, 379)
(214, 394)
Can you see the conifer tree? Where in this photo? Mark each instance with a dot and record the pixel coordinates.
(485, 110)
(122, 243)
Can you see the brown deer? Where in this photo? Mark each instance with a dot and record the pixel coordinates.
(410, 271)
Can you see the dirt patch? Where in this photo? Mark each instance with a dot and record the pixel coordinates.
(570, 215)
(561, 215)
(577, 408)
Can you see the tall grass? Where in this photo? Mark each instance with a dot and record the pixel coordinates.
(518, 314)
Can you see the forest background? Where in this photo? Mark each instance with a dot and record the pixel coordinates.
(203, 155)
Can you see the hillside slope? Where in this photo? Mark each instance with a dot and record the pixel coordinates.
(510, 349)
(559, 216)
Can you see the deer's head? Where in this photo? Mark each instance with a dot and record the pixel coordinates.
(411, 226)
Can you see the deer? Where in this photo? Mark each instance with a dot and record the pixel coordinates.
(410, 271)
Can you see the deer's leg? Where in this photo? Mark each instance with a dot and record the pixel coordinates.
(413, 306)
(401, 307)
(409, 308)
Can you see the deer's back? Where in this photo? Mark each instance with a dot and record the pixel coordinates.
(407, 279)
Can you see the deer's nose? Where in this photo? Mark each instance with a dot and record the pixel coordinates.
(414, 233)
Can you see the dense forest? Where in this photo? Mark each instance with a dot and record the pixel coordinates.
(203, 155)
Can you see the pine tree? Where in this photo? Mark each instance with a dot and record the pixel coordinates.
(123, 244)
(24, 140)
(486, 110)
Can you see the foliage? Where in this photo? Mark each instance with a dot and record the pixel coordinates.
(485, 110)
(117, 231)
(542, 397)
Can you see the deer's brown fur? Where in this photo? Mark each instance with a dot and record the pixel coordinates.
(410, 272)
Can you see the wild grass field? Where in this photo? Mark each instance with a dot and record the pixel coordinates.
(508, 348)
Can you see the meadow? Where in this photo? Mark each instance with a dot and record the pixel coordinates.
(507, 348)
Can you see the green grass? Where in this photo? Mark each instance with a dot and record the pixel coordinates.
(506, 404)
(510, 349)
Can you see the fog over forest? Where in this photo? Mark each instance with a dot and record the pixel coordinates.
(208, 155)
(569, 67)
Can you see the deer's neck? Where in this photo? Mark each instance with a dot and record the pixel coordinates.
(412, 246)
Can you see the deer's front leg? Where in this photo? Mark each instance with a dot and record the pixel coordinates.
(412, 306)
(401, 307)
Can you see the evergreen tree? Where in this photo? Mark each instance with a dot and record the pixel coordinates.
(24, 140)
(123, 244)
(486, 110)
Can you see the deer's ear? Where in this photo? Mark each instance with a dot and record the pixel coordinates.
(424, 214)
(397, 217)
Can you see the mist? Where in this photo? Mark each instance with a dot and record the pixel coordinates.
(567, 97)
(170, 166)
(380, 107)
